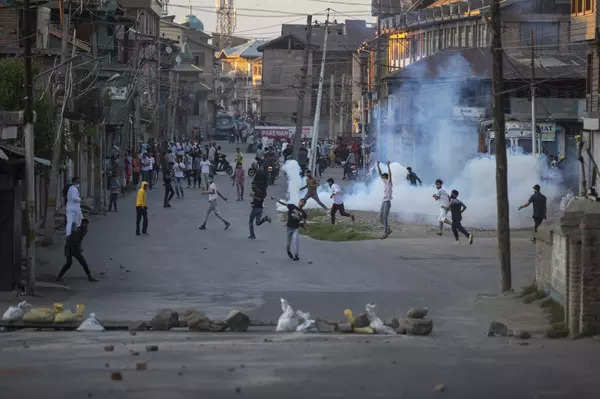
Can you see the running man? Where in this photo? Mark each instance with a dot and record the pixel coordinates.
(312, 185)
(338, 201)
(296, 218)
(457, 207)
(386, 204)
(412, 177)
(213, 194)
(443, 198)
(539, 208)
(256, 213)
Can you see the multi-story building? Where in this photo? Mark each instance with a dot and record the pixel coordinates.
(444, 46)
(240, 78)
(197, 69)
(584, 33)
(283, 60)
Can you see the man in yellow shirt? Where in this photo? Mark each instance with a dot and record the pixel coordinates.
(141, 209)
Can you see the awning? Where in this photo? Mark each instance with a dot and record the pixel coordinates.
(21, 153)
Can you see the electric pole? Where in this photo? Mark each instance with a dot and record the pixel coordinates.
(302, 92)
(342, 105)
(533, 127)
(315, 133)
(332, 107)
(29, 152)
(158, 90)
(501, 161)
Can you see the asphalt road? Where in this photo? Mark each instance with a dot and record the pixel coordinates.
(177, 266)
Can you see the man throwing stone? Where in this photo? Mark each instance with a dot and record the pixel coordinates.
(539, 208)
(213, 194)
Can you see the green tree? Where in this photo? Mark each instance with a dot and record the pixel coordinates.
(12, 98)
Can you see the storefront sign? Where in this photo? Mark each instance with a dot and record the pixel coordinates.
(282, 132)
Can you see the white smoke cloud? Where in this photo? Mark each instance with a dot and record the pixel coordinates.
(476, 184)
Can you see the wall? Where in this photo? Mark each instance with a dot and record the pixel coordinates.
(279, 101)
(568, 264)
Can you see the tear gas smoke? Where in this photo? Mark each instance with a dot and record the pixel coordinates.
(414, 204)
(421, 129)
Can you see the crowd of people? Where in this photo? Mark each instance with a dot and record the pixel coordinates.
(188, 165)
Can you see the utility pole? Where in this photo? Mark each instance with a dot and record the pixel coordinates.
(302, 92)
(533, 127)
(58, 143)
(29, 152)
(342, 105)
(158, 90)
(362, 128)
(315, 133)
(332, 107)
(501, 162)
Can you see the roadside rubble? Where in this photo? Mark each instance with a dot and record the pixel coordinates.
(290, 320)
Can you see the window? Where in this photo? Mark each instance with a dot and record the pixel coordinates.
(581, 7)
(545, 35)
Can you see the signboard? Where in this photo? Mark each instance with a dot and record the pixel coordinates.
(468, 112)
(282, 132)
(547, 130)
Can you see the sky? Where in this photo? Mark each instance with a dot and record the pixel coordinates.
(263, 18)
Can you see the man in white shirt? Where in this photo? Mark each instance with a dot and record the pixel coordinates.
(205, 171)
(442, 197)
(386, 204)
(338, 201)
(73, 210)
(179, 171)
(146, 168)
(213, 194)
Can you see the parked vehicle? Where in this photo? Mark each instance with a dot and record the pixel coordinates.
(224, 126)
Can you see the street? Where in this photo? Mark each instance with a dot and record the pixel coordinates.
(177, 266)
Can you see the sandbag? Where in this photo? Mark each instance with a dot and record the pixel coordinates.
(39, 315)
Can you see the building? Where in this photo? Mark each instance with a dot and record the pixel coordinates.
(240, 79)
(198, 58)
(446, 44)
(584, 33)
(283, 60)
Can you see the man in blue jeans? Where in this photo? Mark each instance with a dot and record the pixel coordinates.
(386, 204)
(256, 213)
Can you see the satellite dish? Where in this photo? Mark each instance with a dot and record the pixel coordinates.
(168, 49)
(178, 59)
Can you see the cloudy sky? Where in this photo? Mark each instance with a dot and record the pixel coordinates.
(263, 18)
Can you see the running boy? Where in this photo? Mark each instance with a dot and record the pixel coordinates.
(441, 196)
(457, 207)
(338, 201)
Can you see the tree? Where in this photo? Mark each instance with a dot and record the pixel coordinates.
(12, 98)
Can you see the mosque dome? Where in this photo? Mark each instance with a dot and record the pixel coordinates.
(194, 23)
